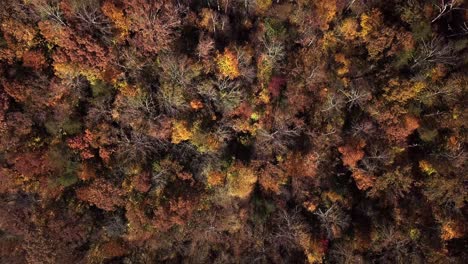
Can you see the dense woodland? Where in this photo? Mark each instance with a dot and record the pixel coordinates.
(233, 131)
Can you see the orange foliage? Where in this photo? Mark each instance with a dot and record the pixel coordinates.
(271, 178)
(196, 104)
(363, 180)
(346, 63)
(87, 172)
(34, 59)
(19, 38)
(352, 152)
(302, 166)
(117, 16)
(215, 178)
(325, 12)
(451, 230)
(401, 131)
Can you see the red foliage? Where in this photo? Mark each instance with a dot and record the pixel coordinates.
(102, 194)
(142, 182)
(105, 154)
(82, 143)
(275, 85)
(244, 110)
(8, 182)
(31, 164)
(161, 129)
(74, 48)
(20, 123)
(4, 105)
(178, 212)
(112, 249)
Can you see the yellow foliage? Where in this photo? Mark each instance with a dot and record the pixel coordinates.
(403, 91)
(329, 41)
(206, 20)
(263, 5)
(245, 126)
(370, 22)
(349, 29)
(240, 181)
(333, 197)
(205, 142)
(180, 132)
(437, 73)
(312, 248)
(69, 70)
(265, 69)
(264, 96)
(426, 167)
(228, 65)
(340, 58)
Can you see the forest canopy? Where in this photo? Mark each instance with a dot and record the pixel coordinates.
(233, 131)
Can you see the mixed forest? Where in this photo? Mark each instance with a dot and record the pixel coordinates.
(233, 131)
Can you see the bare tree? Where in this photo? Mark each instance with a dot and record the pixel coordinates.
(276, 140)
(274, 50)
(434, 51)
(89, 13)
(205, 47)
(334, 220)
(289, 225)
(333, 102)
(136, 147)
(344, 253)
(229, 93)
(49, 10)
(435, 91)
(447, 6)
(356, 97)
